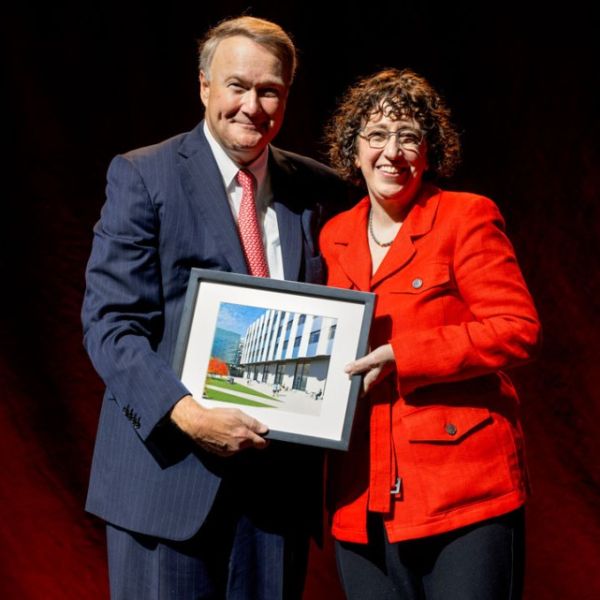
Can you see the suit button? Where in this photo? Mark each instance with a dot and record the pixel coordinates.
(450, 428)
(417, 283)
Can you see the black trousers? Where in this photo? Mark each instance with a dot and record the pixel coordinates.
(484, 561)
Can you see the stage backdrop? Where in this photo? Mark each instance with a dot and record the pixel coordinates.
(86, 83)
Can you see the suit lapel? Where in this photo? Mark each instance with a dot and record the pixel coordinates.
(355, 258)
(399, 254)
(289, 221)
(418, 223)
(203, 185)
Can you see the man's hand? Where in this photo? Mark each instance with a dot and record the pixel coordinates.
(222, 431)
(376, 365)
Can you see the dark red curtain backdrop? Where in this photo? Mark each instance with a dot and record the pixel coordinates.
(85, 83)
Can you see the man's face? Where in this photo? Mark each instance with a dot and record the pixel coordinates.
(244, 98)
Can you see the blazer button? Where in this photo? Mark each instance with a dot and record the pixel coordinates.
(450, 428)
(417, 283)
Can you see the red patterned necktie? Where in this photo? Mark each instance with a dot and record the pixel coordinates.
(250, 235)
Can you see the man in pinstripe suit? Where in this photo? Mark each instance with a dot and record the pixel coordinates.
(196, 506)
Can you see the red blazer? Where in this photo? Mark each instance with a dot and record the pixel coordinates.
(452, 301)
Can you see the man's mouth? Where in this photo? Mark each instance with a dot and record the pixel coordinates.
(251, 126)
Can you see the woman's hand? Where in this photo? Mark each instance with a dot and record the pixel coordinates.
(376, 365)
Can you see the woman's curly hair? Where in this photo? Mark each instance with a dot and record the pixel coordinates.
(401, 94)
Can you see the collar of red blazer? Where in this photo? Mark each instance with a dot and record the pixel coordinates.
(353, 249)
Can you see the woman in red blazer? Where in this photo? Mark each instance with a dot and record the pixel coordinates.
(427, 501)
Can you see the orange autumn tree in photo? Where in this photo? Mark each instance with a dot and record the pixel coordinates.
(217, 367)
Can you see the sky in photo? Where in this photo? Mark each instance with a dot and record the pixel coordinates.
(237, 317)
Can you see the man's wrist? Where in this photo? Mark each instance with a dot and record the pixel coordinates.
(182, 412)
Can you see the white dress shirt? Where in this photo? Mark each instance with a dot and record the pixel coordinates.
(267, 218)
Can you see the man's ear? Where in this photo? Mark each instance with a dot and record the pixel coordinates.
(204, 88)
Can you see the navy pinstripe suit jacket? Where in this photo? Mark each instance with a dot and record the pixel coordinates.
(166, 212)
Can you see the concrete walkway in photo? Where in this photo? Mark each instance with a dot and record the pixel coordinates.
(295, 401)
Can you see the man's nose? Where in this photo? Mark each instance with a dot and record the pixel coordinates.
(251, 103)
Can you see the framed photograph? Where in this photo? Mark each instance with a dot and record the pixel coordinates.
(276, 350)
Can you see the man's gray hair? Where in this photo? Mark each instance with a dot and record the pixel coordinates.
(265, 33)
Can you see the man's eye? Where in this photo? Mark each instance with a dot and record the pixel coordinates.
(269, 93)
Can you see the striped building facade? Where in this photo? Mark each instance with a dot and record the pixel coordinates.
(290, 350)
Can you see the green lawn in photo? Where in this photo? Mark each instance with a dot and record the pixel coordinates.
(237, 387)
(224, 397)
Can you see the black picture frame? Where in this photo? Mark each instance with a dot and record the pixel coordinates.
(276, 350)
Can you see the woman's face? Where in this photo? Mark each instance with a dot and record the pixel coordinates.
(394, 168)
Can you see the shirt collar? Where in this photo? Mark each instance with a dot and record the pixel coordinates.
(229, 168)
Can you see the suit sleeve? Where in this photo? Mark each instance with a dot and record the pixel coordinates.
(123, 309)
(503, 329)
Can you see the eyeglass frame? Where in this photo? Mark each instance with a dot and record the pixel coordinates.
(389, 134)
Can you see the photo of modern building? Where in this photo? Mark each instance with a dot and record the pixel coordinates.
(289, 351)
(271, 358)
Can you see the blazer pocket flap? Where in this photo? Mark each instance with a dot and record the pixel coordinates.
(420, 280)
(444, 423)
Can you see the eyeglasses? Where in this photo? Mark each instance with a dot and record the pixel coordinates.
(407, 139)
